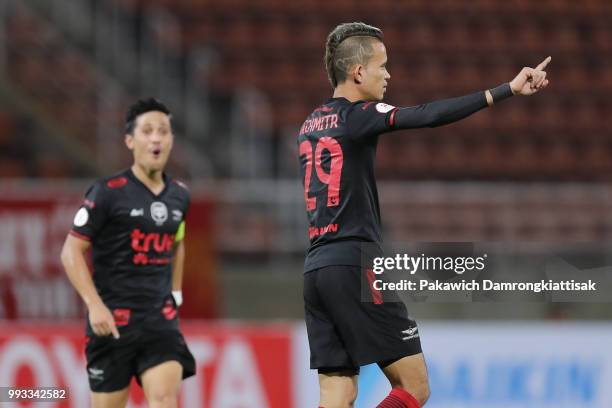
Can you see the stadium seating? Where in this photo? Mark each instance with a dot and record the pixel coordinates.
(437, 49)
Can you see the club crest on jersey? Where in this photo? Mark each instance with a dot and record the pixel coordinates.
(159, 212)
(383, 107)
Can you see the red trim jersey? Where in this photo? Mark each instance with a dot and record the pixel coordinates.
(132, 232)
(337, 147)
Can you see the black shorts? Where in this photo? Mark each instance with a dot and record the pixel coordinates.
(111, 363)
(347, 329)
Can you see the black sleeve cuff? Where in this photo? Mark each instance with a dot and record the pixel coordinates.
(499, 93)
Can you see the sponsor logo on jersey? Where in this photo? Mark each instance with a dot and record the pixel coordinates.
(177, 215)
(159, 212)
(383, 107)
(314, 232)
(81, 217)
(143, 242)
(137, 212)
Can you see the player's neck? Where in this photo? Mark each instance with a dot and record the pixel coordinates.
(153, 179)
(345, 90)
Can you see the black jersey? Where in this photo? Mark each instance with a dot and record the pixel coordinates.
(337, 148)
(132, 232)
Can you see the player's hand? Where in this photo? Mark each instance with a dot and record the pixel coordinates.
(530, 80)
(102, 321)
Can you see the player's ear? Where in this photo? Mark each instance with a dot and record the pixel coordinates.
(129, 141)
(357, 72)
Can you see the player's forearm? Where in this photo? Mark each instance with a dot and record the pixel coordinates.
(450, 110)
(79, 275)
(178, 263)
(439, 113)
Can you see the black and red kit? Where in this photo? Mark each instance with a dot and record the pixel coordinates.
(132, 233)
(337, 148)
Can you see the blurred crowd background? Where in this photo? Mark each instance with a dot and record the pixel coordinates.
(240, 76)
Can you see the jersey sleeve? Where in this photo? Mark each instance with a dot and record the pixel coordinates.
(438, 113)
(369, 119)
(180, 233)
(187, 203)
(186, 198)
(373, 118)
(92, 214)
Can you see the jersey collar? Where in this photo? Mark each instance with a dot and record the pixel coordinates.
(132, 176)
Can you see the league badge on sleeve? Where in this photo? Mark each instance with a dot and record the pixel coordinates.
(81, 217)
(384, 108)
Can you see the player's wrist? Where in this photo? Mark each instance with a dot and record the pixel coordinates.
(93, 301)
(489, 97)
(514, 91)
(501, 92)
(178, 297)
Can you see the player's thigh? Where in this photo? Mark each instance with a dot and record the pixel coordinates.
(409, 373)
(369, 332)
(162, 346)
(110, 363)
(162, 382)
(115, 399)
(327, 350)
(338, 389)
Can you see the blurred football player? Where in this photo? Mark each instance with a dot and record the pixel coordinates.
(134, 223)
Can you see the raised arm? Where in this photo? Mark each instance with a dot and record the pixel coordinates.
(528, 82)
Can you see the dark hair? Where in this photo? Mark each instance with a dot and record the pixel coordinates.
(140, 107)
(348, 44)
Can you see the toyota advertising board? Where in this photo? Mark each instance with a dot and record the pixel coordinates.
(515, 365)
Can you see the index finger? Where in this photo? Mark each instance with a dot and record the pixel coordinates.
(543, 64)
(114, 331)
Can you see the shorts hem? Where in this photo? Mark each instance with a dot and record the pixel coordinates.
(390, 357)
(186, 371)
(328, 369)
(110, 388)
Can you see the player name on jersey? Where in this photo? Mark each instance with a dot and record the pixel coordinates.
(319, 124)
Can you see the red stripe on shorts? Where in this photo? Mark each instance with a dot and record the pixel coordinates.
(376, 295)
